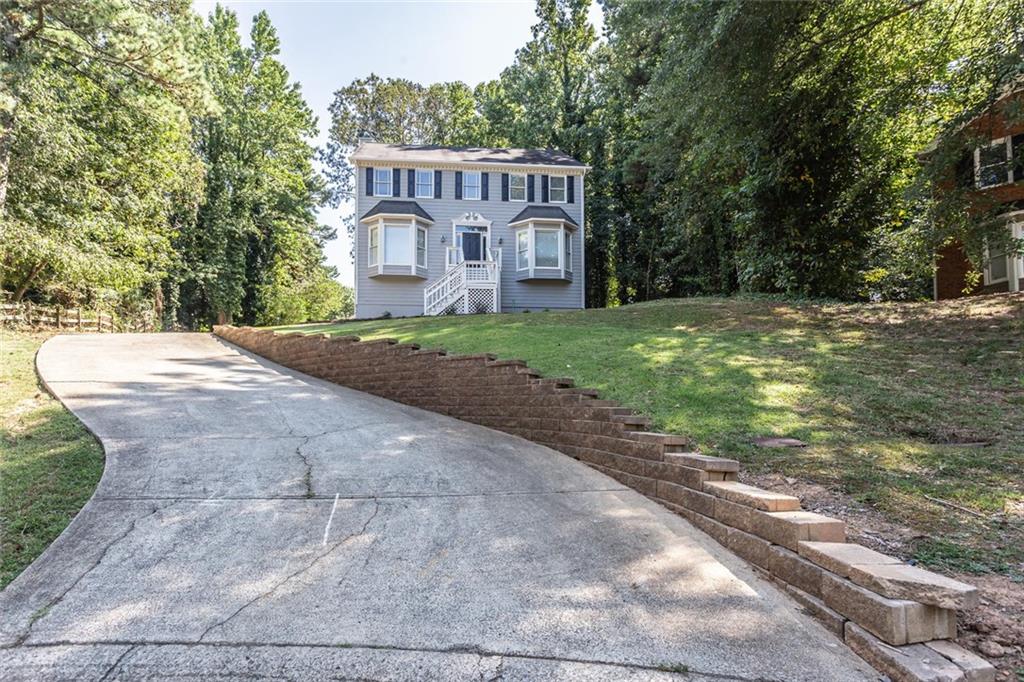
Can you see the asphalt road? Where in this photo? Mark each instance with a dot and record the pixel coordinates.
(253, 522)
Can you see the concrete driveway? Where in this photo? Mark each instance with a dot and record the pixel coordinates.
(254, 522)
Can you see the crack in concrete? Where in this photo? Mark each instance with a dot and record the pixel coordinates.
(118, 662)
(43, 611)
(294, 574)
(343, 496)
(456, 650)
(307, 476)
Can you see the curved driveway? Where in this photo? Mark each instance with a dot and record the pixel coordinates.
(254, 522)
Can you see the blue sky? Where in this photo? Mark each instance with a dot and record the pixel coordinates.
(326, 44)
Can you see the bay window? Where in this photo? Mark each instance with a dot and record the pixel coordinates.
(374, 245)
(523, 250)
(421, 247)
(545, 248)
(543, 251)
(397, 247)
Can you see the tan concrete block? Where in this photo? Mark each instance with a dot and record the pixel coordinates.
(975, 668)
(910, 582)
(676, 473)
(832, 620)
(686, 497)
(895, 621)
(748, 495)
(719, 531)
(735, 515)
(749, 547)
(913, 663)
(698, 461)
(789, 529)
(838, 557)
(925, 622)
(795, 570)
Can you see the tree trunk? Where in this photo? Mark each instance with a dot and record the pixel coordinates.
(27, 282)
(6, 139)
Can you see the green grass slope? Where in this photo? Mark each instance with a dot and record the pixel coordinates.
(49, 463)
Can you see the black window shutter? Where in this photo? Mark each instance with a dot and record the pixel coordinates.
(504, 186)
(458, 184)
(529, 189)
(544, 189)
(369, 182)
(570, 189)
(437, 184)
(411, 190)
(396, 182)
(485, 181)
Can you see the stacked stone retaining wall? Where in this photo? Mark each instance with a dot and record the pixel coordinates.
(899, 618)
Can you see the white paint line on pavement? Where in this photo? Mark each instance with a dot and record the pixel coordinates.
(327, 528)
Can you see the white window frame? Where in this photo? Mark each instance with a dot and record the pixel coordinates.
(391, 177)
(479, 185)
(416, 183)
(511, 177)
(426, 247)
(1007, 144)
(373, 249)
(407, 228)
(567, 249)
(558, 247)
(551, 189)
(527, 233)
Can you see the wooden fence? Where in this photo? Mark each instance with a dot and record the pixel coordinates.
(28, 314)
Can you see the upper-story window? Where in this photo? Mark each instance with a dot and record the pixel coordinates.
(517, 187)
(471, 185)
(993, 163)
(381, 182)
(556, 193)
(424, 184)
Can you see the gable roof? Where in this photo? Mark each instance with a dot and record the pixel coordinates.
(375, 151)
(391, 207)
(542, 213)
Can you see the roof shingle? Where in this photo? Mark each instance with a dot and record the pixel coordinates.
(375, 151)
(392, 207)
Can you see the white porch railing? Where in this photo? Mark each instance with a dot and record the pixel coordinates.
(466, 287)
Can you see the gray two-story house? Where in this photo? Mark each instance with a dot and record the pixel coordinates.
(453, 230)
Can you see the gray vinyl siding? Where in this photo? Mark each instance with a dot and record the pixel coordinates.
(403, 296)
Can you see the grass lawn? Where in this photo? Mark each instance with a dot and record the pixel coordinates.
(900, 404)
(49, 463)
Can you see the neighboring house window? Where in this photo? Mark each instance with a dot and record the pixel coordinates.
(556, 193)
(421, 244)
(992, 164)
(523, 250)
(397, 246)
(997, 267)
(382, 182)
(568, 252)
(471, 185)
(545, 248)
(517, 187)
(374, 245)
(424, 184)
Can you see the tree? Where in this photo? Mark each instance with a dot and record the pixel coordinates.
(94, 148)
(396, 111)
(256, 230)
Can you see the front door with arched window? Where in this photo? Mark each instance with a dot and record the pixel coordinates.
(472, 241)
